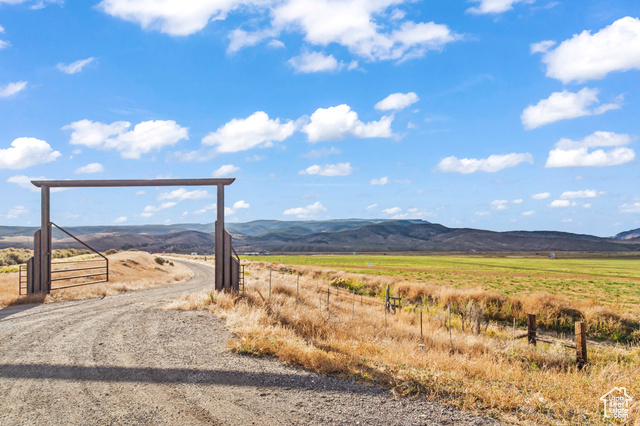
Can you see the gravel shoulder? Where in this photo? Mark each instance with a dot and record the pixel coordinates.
(128, 359)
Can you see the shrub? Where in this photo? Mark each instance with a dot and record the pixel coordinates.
(110, 252)
(159, 260)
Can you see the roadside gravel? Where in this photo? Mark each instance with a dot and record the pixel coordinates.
(127, 359)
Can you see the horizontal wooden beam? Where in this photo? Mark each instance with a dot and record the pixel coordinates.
(131, 182)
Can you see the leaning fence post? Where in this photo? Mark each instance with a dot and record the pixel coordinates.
(581, 344)
(531, 329)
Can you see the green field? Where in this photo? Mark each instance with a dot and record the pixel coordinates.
(611, 281)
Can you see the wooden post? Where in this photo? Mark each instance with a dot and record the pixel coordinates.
(450, 339)
(328, 293)
(219, 236)
(581, 344)
(353, 307)
(531, 329)
(44, 284)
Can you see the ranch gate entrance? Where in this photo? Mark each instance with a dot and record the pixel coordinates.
(39, 271)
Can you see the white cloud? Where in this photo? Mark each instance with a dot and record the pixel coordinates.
(382, 181)
(12, 89)
(306, 212)
(340, 169)
(228, 211)
(150, 210)
(492, 164)
(145, 136)
(392, 210)
(587, 193)
(311, 62)
(482, 213)
(75, 67)
(396, 101)
(174, 17)
(17, 211)
(372, 207)
(569, 153)
(493, 6)
(225, 170)
(351, 23)
(528, 213)
(587, 56)
(542, 46)
(206, 208)
(4, 44)
(255, 157)
(564, 105)
(243, 134)
(239, 38)
(90, 168)
(25, 182)
(562, 203)
(339, 122)
(182, 194)
(518, 201)
(541, 196)
(27, 152)
(500, 204)
(629, 208)
(120, 219)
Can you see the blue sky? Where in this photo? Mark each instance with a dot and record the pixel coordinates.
(493, 114)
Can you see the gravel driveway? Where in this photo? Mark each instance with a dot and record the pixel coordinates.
(126, 359)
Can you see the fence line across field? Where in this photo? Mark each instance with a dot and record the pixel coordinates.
(391, 304)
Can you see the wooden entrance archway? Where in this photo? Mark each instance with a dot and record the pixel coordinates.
(40, 281)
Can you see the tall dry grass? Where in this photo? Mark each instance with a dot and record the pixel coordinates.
(128, 271)
(554, 313)
(486, 372)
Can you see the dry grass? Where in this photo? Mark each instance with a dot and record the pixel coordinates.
(483, 372)
(127, 271)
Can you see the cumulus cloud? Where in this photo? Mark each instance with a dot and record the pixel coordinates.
(392, 210)
(500, 204)
(492, 164)
(90, 168)
(244, 134)
(564, 105)
(353, 24)
(562, 203)
(587, 56)
(27, 152)
(309, 211)
(225, 170)
(528, 213)
(150, 210)
(382, 181)
(397, 101)
(16, 212)
(541, 196)
(340, 169)
(542, 46)
(494, 6)
(12, 89)
(311, 62)
(629, 208)
(228, 211)
(75, 67)
(339, 122)
(569, 153)
(357, 29)
(322, 152)
(120, 219)
(587, 193)
(145, 136)
(182, 194)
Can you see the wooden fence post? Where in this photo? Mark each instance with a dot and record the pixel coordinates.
(531, 329)
(581, 344)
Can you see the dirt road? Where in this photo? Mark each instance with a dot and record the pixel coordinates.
(126, 359)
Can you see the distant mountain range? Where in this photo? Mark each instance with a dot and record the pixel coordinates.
(346, 235)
